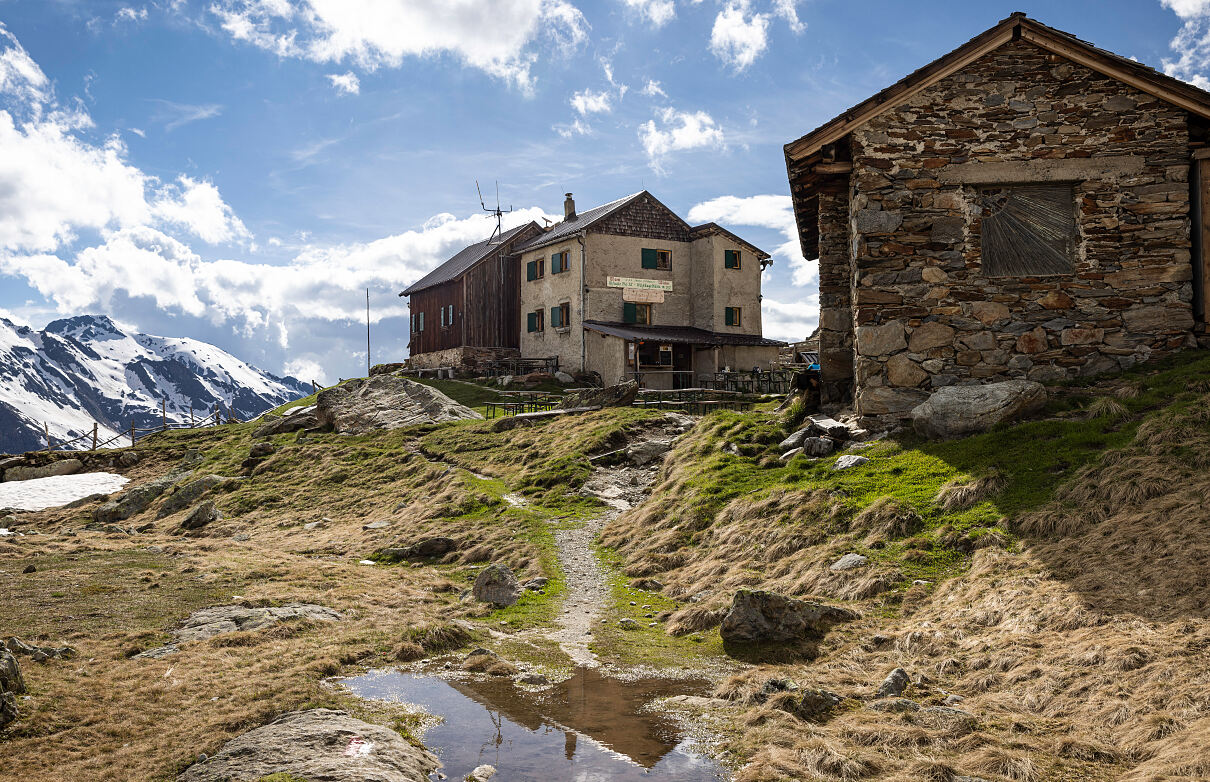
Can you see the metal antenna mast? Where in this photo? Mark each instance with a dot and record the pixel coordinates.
(367, 332)
(498, 212)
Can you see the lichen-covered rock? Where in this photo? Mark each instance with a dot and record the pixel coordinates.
(385, 402)
(134, 500)
(893, 685)
(204, 514)
(209, 622)
(759, 616)
(620, 395)
(11, 685)
(497, 585)
(189, 493)
(322, 745)
(437, 546)
(956, 411)
(59, 467)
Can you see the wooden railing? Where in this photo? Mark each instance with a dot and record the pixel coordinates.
(220, 416)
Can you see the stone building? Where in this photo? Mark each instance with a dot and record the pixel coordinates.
(630, 290)
(1027, 206)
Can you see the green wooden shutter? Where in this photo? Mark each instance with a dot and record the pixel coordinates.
(729, 316)
(630, 312)
(531, 272)
(730, 259)
(554, 318)
(531, 321)
(651, 259)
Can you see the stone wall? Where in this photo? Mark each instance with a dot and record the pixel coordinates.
(922, 312)
(835, 297)
(470, 359)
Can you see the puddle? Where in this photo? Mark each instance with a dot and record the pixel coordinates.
(590, 727)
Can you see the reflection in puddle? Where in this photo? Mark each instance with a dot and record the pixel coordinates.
(588, 728)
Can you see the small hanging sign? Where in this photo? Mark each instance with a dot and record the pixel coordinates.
(634, 282)
(642, 296)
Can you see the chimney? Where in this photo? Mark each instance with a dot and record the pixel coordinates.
(569, 208)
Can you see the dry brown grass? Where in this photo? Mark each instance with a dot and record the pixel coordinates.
(961, 494)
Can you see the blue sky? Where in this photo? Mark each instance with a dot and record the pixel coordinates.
(239, 171)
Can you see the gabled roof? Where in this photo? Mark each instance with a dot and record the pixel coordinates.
(1016, 27)
(560, 231)
(707, 229)
(466, 258)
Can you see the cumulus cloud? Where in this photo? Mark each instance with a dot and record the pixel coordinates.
(653, 89)
(346, 83)
(199, 208)
(788, 10)
(790, 321)
(497, 38)
(656, 12)
(128, 14)
(1192, 42)
(20, 76)
(765, 211)
(737, 37)
(678, 131)
(588, 102)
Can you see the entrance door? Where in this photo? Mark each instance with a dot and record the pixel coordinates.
(682, 363)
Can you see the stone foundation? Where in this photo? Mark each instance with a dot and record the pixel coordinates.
(468, 359)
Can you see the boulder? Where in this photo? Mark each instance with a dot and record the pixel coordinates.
(37, 653)
(647, 451)
(790, 454)
(814, 705)
(818, 446)
(888, 401)
(497, 585)
(759, 616)
(127, 459)
(795, 440)
(189, 493)
(60, 467)
(895, 705)
(423, 549)
(209, 622)
(893, 685)
(848, 461)
(825, 426)
(135, 500)
(386, 369)
(956, 411)
(564, 378)
(481, 773)
(317, 744)
(200, 516)
(287, 423)
(11, 685)
(261, 450)
(947, 718)
(385, 402)
(848, 562)
(621, 395)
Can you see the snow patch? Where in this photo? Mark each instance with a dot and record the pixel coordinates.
(42, 493)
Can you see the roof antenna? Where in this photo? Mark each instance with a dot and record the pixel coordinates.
(498, 212)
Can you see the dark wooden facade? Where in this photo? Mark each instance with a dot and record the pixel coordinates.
(486, 301)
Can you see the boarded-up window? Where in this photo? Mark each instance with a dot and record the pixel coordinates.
(1028, 230)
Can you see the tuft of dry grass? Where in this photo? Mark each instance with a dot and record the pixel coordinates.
(1106, 407)
(961, 494)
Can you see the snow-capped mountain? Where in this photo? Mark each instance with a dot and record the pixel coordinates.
(82, 370)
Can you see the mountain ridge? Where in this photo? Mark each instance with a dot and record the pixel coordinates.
(86, 369)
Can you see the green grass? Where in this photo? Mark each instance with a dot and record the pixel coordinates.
(472, 395)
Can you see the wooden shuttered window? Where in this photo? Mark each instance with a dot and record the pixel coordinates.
(629, 312)
(531, 272)
(732, 316)
(533, 321)
(651, 258)
(560, 316)
(731, 259)
(1028, 230)
(560, 262)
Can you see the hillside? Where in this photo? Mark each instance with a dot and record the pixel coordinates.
(86, 369)
(1042, 586)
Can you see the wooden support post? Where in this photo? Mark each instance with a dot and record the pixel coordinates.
(94, 436)
(314, 387)
(46, 429)
(191, 421)
(132, 434)
(164, 412)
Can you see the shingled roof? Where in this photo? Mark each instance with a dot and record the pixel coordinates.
(560, 231)
(465, 259)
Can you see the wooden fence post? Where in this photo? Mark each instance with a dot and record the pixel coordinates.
(132, 433)
(164, 412)
(190, 415)
(314, 387)
(46, 429)
(94, 435)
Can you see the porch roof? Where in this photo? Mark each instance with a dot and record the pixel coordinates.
(684, 335)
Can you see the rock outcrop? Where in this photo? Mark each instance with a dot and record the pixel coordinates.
(759, 616)
(189, 493)
(385, 402)
(204, 514)
(497, 585)
(620, 395)
(217, 620)
(134, 500)
(11, 685)
(321, 745)
(957, 411)
(437, 546)
(60, 467)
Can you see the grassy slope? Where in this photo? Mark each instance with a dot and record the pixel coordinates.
(1017, 592)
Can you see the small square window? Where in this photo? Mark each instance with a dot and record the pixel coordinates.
(534, 321)
(633, 312)
(536, 269)
(733, 316)
(1028, 230)
(656, 259)
(560, 262)
(731, 259)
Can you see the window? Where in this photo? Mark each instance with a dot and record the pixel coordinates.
(413, 323)
(447, 316)
(420, 322)
(656, 259)
(534, 321)
(1028, 230)
(560, 316)
(536, 269)
(636, 313)
(441, 313)
(730, 259)
(733, 316)
(560, 262)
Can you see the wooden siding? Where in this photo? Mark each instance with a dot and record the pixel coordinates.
(487, 308)
(430, 301)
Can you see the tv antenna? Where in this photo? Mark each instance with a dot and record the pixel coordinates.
(498, 212)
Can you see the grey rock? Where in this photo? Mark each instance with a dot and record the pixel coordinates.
(895, 705)
(424, 549)
(286, 423)
(157, 652)
(11, 685)
(187, 494)
(759, 616)
(889, 401)
(323, 745)
(261, 450)
(127, 459)
(947, 717)
(60, 467)
(648, 451)
(880, 340)
(893, 685)
(877, 221)
(17, 646)
(217, 620)
(951, 700)
(818, 446)
(564, 378)
(621, 395)
(647, 585)
(956, 411)
(849, 562)
(795, 440)
(373, 525)
(134, 500)
(826, 426)
(536, 679)
(481, 773)
(848, 461)
(205, 513)
(628, 624)
(385, 402)
(535, 584)
(790, 454)
(497, 585)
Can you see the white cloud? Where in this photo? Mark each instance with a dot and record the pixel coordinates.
(138, 132)
(657, 12)
(678, 131)
(765, 211)
(577, 128)
(653, 89)
(788, 10)
(588, 102)
(497, 38)
(173, 115)
(130, 15)
(307, 370)
(1192, 42)
(20, 76)
(346, 83)
(736, 38)
(198, 208)
(791, 321)
(1187, 9)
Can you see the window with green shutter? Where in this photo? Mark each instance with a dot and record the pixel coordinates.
(531, 272)
(534, 321)
(732, 316)
(731, 259)
(554, 316)
(651, 258)
(629, 312)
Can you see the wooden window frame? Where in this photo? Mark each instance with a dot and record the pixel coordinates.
(660, 259)
(733, 317)
(420, 321)
(560, 316)
(1028, 229)
(564, 264)
(539, 320)
(729, 256)
(539, 269)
